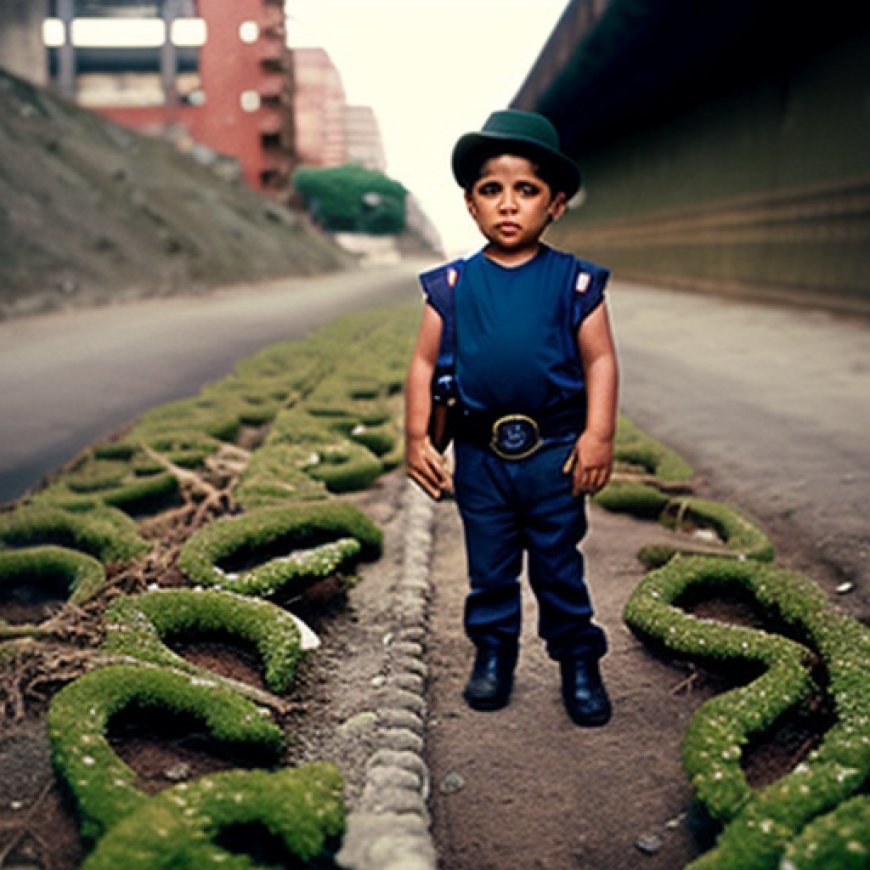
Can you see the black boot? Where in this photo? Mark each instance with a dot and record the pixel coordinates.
(583, 692)
(492, 677)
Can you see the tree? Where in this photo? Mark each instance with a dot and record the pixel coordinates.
(353, 199)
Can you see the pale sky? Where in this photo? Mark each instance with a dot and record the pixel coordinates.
(431, 70)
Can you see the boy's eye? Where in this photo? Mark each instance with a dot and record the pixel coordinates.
(489, 188)
(528, 189)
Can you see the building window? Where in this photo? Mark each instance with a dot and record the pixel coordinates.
(250, 101)
(194, 97)
(270, 141)
(117, 33)
(249, 32)
(125, 33)
(189, 32)
(53, 32)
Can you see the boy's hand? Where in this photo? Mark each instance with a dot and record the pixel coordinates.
(427, 468)
(591, 462)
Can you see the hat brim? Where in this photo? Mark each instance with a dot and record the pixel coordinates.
(472, 147)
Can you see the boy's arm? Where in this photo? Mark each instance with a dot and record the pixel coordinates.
(592, 459)
(425, 465)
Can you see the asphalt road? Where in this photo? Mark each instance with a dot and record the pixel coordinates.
(770, 404)
(67, 379)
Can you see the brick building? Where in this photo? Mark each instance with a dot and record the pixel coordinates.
(329, 131)
(319, 107)
(364, 143)
(202, 71)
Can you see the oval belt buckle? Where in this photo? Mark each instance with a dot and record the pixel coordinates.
(515, 436)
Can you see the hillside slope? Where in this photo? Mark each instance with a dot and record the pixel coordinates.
(91, 212)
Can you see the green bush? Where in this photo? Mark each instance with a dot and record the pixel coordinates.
(290, 545)
(177, 828)
(139, 625)
(83, 575)
(352, 199)
(102, 785)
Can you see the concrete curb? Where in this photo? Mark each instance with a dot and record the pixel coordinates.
(389, 829)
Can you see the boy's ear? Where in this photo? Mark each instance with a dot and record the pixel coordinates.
(557, 205)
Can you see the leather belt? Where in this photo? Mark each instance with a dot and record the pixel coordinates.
(515, 436)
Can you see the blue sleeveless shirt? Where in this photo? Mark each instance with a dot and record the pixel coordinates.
(516, 330)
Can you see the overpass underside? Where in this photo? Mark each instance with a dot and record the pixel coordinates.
(725, 146)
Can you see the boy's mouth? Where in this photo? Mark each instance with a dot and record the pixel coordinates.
(507, 227)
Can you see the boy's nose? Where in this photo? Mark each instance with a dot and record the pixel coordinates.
(508, 202)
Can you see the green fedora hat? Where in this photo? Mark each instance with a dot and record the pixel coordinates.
(531, 134)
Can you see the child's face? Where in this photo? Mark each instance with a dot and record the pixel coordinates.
(512, 206)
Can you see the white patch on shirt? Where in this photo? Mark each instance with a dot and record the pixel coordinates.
(452, 277)
(584, 279)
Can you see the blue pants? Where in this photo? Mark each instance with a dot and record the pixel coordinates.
(509, 507)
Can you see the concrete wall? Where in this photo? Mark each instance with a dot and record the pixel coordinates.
(761, 189)
(21, 48)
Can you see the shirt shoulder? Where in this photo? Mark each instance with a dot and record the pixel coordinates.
(438, 284)
(587, 282)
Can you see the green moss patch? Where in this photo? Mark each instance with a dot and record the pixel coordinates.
(293, 545)
(276, 475)
(80, 576)
(635, 448)
(102, 785)
(642, 466)
(278, 437)
(139, 626)
(839, 839)
(740, 535)
(105, 533)
(347, 467)
(210, 416)
(759, 825)
(192, 825)
(638, 499)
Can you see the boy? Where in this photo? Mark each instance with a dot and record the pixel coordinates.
(536, 376)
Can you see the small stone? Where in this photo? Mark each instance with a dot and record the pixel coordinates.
(452, 783)
(649, 844)
(365, 721)
(178, 772)
(307, 637)
(379, 681)
(845, 588)
(675, 822)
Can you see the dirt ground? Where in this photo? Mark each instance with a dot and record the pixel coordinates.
(525, 787)
(521, 787)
